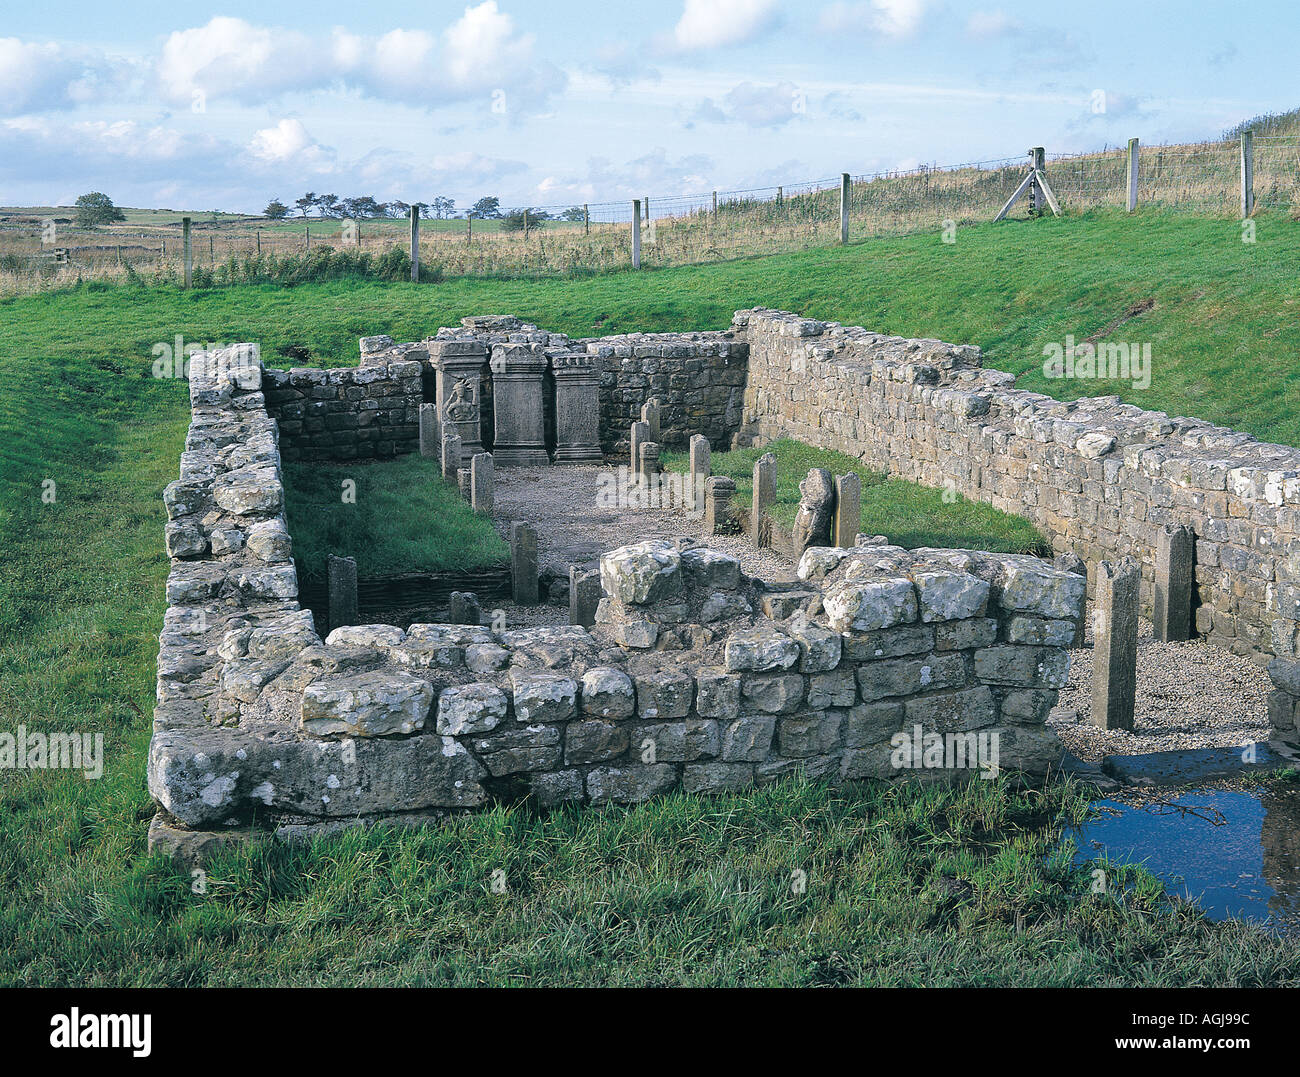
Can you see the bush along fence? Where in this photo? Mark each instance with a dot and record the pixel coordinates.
(1237, 177)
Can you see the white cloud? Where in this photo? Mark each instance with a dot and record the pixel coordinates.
(753, 104)
(709, 24)
(480, 52)
(38, 77)
(887, 18)
(288, 141)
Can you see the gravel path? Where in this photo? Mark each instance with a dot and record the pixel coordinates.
(1189, 695)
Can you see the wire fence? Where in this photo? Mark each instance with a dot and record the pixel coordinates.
(48, 250)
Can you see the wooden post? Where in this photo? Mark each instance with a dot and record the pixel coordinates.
(188, 247)
(844, 207)
(212, 251)
(715, 203)
(306, 237)
(636, 233)
(415, 244)
(525, 225)
(1247, 174)
(1132, 174)
(469, 230)
(259, 242)
(1037, 162)
(646, 207)
(586, 220)
(780, 195)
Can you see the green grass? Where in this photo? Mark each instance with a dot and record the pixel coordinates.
(403, 517)
(81, 603)
(907, 514)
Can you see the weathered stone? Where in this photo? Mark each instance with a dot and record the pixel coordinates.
(676, 742)
(471, 708)
(813, 521)
(871, 723)
(717, 777)
(608, 693)
(342, 581)
(904, 676)
(1023, 667)
(951, 596)
(366, 705)
(809, 734)
(863, 606)
(775, 694)
(1042, 591)
(760, 649)
(848, 509)
(764, 498)
(594, 740)
(643, 573)
(710, 570)
(630, 784)
(664, 693)
(1114, 644)
(543, 697)
(523, 564)
(748, 739)
(951, 712)
(1174, 583)
(718, 694)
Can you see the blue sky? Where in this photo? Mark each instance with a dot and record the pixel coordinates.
(186, 106)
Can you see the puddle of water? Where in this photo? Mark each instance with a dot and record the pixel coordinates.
(1236, 854)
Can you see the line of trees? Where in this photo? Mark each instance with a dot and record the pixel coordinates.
(365, 207)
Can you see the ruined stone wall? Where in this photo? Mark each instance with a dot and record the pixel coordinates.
(347, 413)
(696, 676)
(698, 379)
(373, 410)
(1100, 478)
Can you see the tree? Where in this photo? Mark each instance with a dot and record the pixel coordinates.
(276, 210)
(329, 205)
(486, 208)
(360, 207)
(397, 208)
(96, 208)
(442, 207)
(514, 220)
(306, 202)
(574, 213)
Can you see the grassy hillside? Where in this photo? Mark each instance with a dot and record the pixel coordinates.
(81, 602)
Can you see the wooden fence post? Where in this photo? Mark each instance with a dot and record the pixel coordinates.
(415, 244)
(1037, 162)
(1132, 174)
(188, 247)
(844, 207)
(636, 233)
(586, 220)
(1247, 173)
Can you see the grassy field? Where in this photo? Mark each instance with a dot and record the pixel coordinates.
(402, 517)
(88, 440)
(910, 515)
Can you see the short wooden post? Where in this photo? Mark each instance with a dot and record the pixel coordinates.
(341, 582)
(525, 225)
(259, 242)
(844, 207)
(715, 203)
(469, 230)
(188, 248)
(523, 564)
(306, 237)
(586, 220)
(212, 251)
(764, 497)
(1037, 163)
(415, 244)
(1247, 173)
(1132, 174)
(636, 233)
(780, 195)
(1174, 580)
(1114, 643)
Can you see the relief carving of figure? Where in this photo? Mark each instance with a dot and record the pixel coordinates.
(461, 407)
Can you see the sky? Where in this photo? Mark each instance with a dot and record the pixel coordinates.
(185, 106)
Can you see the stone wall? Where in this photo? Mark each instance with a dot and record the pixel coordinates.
(348, 413)
(696, 675)
(1098, 477)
